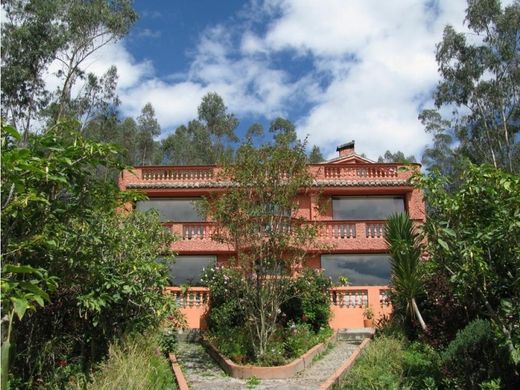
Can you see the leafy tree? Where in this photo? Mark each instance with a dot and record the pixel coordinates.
(37, 34)
(255, 216)
(147, 129)
(203, 141)
(255, 130)
(283, 130)
(219, 123)
(315, 155)
(404, 246)
(397, 157)
(473, 240)
(65, 246)
(480, 85)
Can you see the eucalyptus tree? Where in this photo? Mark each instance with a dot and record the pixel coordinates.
(480, 88)
(147, 128)
(40, 37)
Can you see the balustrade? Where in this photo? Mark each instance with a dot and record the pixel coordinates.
(191, 297)
(364, 172)
(348, 298)
(177, 174)
(375, 230)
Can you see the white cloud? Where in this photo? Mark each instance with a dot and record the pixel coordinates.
(377, 57)
(380, 57)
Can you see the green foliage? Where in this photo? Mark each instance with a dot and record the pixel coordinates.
(131, 364)
(475, 356)
(479, 86)
(253, 382)
(147, 129)
(405, 248)
(390, 363)
(206, 140)
(310, 300)
(379, 367)
(474, 241)
(38, 33)
(255, 216)
(397, 157)
(60, 225)
(168, 340)
(315, 155)
(302, 321)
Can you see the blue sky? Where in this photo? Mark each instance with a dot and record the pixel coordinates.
(339, 69)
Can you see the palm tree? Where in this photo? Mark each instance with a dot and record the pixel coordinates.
(404, 245)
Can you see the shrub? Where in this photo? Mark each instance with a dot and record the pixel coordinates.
(310, 303)
(476, 356)
(225, 311)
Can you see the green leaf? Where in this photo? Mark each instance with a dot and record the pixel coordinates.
(20, 306)
(443, 244)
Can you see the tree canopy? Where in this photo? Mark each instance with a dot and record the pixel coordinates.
(480, 86)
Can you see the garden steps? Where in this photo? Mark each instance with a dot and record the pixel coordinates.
(203, 373)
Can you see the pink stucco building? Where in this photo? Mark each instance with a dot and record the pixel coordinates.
(362, 195)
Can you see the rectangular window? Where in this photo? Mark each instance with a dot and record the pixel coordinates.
(188, 269)
(366, 207)
(172, 209)
(361, 269)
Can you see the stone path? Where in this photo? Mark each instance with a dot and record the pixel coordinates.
(202, 373)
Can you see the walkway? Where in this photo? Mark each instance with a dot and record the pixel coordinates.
(202, 373)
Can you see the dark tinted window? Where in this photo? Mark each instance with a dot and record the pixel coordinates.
(174, 209)
(361, 269)
(366, 207)
(188, 269)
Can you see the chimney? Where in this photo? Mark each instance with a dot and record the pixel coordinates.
(345, 149)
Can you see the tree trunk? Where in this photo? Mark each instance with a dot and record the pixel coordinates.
(418, 314)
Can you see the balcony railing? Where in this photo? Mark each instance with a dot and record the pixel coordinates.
(347, 304)
(320, 172)
(344, 230)
(184, 173)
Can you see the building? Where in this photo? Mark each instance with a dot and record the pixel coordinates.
(362, 195)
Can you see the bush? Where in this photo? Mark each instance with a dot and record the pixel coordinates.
(302, 323)
(476, 356)
(310, 303)
(225, 311)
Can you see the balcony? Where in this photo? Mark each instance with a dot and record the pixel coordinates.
(347, 304)
(210, 176)
(336, 235)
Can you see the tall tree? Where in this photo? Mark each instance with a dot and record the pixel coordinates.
(315, 155)
(220, 124)
(397, 157)
(207, 140)
(481, 85)
(66, 33)
(147, 129)
(283, 130)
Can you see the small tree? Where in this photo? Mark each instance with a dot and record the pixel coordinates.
(404, 245)
(257, 215)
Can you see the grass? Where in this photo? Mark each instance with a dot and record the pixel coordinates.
(379, 367)
(321, 355)
(133, 364)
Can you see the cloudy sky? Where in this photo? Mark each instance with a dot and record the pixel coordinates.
(341, 70)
